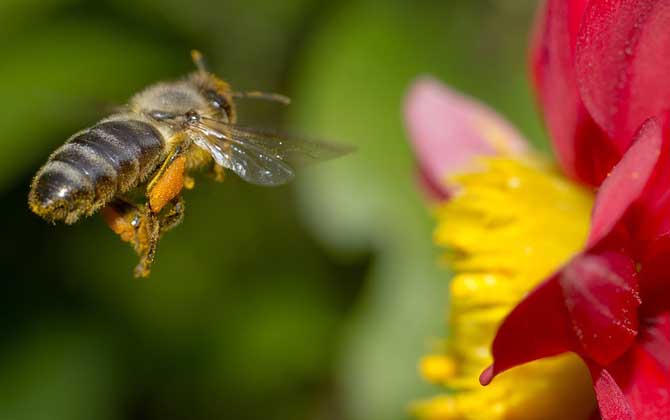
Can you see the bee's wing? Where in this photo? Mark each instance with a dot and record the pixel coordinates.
(249, 162)
(259, 156)
(292, 149)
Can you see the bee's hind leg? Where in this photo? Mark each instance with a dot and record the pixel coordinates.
(163, 210)
(151, 228)
(149, 235)
(143, 225)
(173, 215)
(137, 225)
(123, 218)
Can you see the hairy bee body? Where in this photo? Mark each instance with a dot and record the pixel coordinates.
(164, 133)
(114, 156)
(93, 166)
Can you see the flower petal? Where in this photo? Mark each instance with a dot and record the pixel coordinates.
(622, 59)
(611, 400)
(652, 225)
(627, 181)
(582, 148)
(538, 327)
(602, 296)
(637, 386)
(654, 278)
(448, 130)
(552, 15)
(589, 307)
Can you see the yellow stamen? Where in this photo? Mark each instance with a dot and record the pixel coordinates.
(437, 368)
(509, 226)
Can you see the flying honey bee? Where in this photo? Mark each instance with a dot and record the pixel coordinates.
(152, 145)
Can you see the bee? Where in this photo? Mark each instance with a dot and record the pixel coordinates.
(150, 147)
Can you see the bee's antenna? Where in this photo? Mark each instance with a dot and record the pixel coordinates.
(275, 97)
(199, 61)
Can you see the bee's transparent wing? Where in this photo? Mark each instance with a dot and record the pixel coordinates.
(250, 163)
(259, 156)
(292, 149)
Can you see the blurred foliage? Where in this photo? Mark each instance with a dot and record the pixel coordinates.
(312, 301)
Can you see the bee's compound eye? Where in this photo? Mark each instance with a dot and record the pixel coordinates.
(217, 101)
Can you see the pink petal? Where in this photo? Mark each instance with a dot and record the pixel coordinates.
(431, 189)
(602, 296)
(627, 181)
(448, 130)
(622, 62)
(583, 150)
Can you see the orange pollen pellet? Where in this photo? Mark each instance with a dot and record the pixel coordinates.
(119, 224)
(169, 185)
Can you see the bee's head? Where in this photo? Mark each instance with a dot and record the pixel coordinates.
(173, 103)
(219, 93)
(168, 102)
(216, 93)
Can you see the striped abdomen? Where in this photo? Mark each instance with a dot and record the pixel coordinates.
(92, 167)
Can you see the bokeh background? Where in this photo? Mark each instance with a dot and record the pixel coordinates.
(312, 301)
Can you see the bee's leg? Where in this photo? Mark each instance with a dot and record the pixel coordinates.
(173, 216)
(152, 227)
(123, 218)
(149, 233)
(163, 188)
(168, 181)
(141, 225)
(137, 225)
(218, 172)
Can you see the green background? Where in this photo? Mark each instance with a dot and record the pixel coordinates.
(311, 301)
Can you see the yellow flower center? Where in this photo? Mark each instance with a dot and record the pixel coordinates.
(509, 226)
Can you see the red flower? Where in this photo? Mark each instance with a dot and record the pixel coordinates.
(611, 303)
(601, 70)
